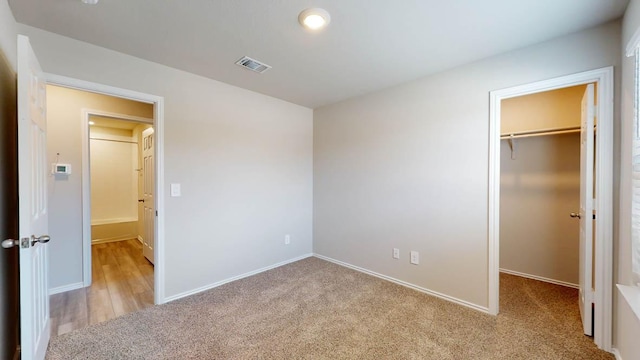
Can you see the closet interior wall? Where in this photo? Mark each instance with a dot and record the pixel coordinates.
(540, 186)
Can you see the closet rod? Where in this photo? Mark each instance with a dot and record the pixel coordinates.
(532, 133)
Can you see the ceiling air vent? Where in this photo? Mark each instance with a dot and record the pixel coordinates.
(254, 65)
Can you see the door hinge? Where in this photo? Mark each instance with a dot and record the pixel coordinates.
(24, 243)
(156, 212)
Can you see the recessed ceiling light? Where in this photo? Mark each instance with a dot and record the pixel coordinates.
(90, 2)
(314, 19)
(92, 122)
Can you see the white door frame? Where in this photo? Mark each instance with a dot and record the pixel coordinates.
(86, 183)
(604, 191)
(158, 123)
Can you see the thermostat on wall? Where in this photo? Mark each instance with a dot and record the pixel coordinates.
(64, 169)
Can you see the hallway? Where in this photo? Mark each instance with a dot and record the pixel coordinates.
(122, 283)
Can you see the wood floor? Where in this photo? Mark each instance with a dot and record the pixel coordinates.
(122, 283)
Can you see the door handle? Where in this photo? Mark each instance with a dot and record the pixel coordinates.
(140, 200)
(574, 215)
(40, 239)
(9, 243)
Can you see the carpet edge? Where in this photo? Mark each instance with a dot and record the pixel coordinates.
(406, 284)
(234, 278)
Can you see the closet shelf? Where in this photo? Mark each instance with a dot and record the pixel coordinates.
(542, 132)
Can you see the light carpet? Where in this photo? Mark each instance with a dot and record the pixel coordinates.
(313, 309)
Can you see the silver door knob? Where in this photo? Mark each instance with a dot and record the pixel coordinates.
(574, 215)
(40, 239)
(9, 243)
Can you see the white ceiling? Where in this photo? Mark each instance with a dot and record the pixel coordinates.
(369, 45)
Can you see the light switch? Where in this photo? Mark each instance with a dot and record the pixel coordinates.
(175, 190)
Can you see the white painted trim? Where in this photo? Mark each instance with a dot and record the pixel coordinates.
(113, 221)
(540, 278)
(86, 183)
(631, 294)
(616, 353)
(406, 284)
(158, 121)
(86, 200)
(604, 191)
(633, 43)
(140, 239)
(113, 239)
(65, 288)
(231, 279)
(117, 116)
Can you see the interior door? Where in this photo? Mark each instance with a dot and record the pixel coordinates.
(586, 209)
(32, 193)
(148, 184)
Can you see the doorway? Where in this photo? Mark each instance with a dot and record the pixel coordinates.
(540, 186)
(120, 180)
(117, 240)
(603, 78)
(158, 163)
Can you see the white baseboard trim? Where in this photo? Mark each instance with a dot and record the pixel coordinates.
(406, 284)
(65, 288)
(110, 240)
(616, 353)
(540, 278)
(231, 279)
(140, 239)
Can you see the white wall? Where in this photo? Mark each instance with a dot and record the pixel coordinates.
(407, 167)
(114, 184)
(626, 326)
(244, 161)
(114, 179)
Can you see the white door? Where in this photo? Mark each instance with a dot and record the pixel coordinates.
(148, 184)
(586, 210)
(32, 193)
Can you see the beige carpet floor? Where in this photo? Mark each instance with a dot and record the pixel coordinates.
(313, 309)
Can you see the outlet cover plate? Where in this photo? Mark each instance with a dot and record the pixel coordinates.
(415, 258)
(396, 253)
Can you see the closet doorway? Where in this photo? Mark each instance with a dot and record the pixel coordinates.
(540, 198)
(542, 168)
(121, 179)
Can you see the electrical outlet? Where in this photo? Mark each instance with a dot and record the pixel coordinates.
(415, 257)
(396, 253)
(287, 239)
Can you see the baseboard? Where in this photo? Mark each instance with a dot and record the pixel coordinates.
(540, 278)
(65, 288)
(616, 353)
(226, 281)
(140, 239)
(110, 240)
(406, 284)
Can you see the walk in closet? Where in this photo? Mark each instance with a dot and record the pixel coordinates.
(540, 185)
